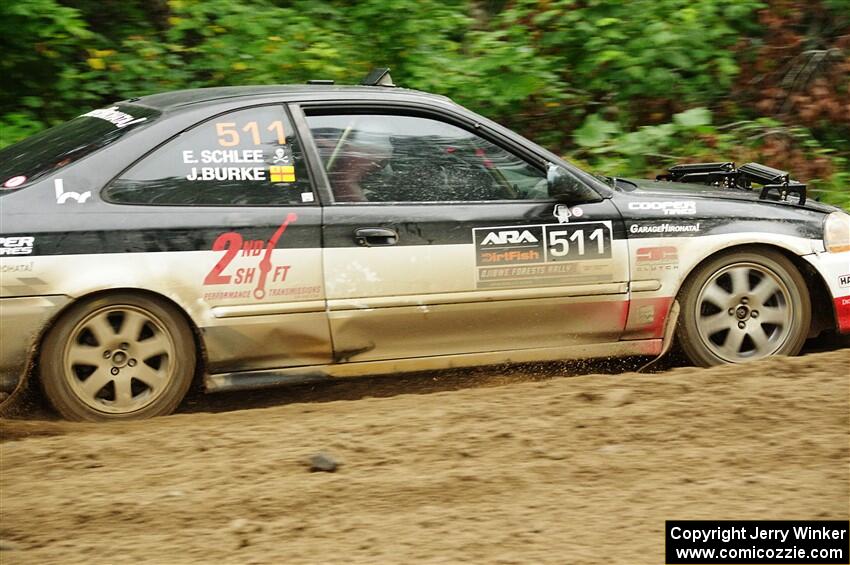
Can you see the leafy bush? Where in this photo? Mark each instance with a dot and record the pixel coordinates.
(627, 85)
(691, 138)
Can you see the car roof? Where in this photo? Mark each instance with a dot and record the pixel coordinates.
(169, 101)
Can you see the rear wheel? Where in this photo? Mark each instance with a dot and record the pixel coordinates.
(120, 356)
(744, 306)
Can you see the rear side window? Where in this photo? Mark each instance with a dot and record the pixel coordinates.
(57, 147)
(250, 157)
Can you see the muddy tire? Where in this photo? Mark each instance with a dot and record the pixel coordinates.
(121, 356)
(743, 306)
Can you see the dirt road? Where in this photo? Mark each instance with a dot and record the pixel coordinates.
(561, 470)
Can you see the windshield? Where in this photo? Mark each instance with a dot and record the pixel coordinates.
(48, 151)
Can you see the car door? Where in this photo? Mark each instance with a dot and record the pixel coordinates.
(440, 239)
(230, 212)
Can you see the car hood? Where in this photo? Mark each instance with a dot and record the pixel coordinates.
(650, 187)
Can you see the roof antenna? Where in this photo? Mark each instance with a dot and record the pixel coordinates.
(379, 76)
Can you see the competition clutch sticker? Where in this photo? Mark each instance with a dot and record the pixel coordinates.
(550, 254)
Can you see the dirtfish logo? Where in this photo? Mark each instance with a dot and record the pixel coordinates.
(509, 237)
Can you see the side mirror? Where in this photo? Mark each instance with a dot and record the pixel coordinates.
(563, 185)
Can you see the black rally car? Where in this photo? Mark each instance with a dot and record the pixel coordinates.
(262, 235)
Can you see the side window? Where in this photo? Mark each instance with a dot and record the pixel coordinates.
(246, 158)
(389, 158)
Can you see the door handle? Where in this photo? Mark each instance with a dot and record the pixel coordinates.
(373, 237)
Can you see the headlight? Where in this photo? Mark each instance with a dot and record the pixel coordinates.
(836, 232)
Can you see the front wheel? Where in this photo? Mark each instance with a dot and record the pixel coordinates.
(744, 306)
(119, 356)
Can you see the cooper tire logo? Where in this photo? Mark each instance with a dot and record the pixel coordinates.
(672, 208)
(16, 245)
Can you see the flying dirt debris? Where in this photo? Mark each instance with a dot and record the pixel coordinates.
(529, 471)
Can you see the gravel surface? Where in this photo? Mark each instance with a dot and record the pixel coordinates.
(527, 467)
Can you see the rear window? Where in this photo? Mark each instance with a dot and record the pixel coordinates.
(48, 151)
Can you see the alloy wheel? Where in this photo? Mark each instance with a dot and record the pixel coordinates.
(744, 312)
(119, 359)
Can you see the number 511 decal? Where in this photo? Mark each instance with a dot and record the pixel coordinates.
(228, 133)
(531, 244)
(578, 242)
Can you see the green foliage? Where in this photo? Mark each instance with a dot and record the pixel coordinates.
(39, 38)
(836, 188)
(642, 48)
(596, 131)
(621, 85)
(692, 118)
(691, 137)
